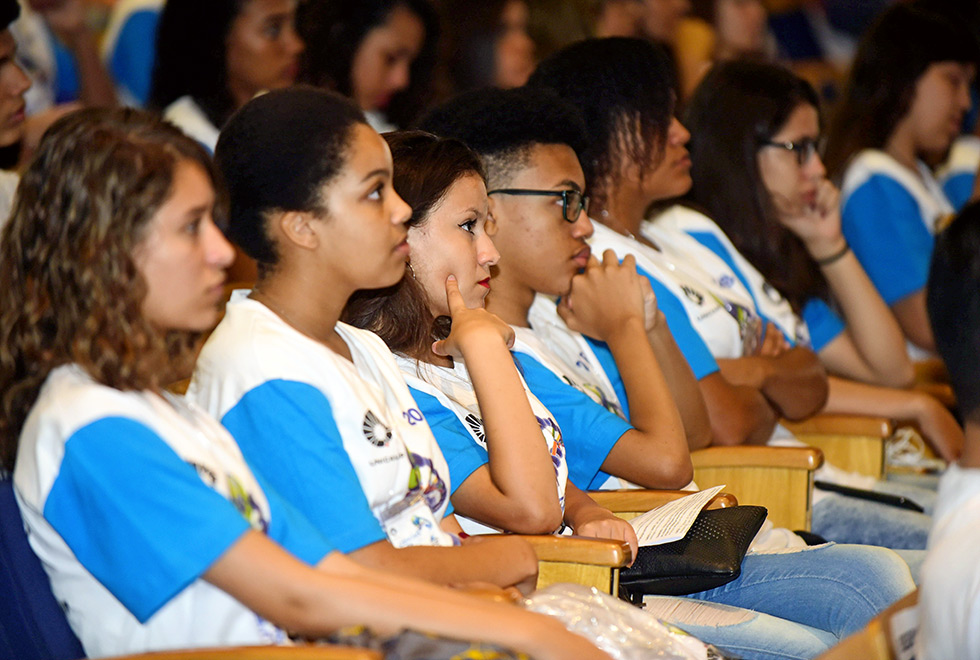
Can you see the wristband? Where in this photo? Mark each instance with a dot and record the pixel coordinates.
(836, 256)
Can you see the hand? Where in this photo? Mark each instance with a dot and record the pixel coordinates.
(818, 226)
(606, 297)
(939, 428)
(772, 343)
(599, 523)
(66, 18)
(470, 327)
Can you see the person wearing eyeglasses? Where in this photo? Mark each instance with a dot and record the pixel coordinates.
(774, 216)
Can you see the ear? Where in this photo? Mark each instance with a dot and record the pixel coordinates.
(297, 227)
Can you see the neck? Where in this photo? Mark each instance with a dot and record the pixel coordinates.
(971, 448)
(901, 146)
(510, 300)
(622, 211)
(311, 305)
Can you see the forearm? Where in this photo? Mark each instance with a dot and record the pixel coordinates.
(871, 326)
(683, 387)
(520, 462)
(914, 320)
(795, 383)
(738, 414)
(97, 89)
(653, 410)
(502, 560)
(936, 423)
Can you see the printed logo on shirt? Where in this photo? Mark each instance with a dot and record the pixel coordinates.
(476, 425)
(434, 492)
(206, 474)
(726, 281)
(551, 427)
(771, 293)
(693, 295)
(375, 431)
(246, 505)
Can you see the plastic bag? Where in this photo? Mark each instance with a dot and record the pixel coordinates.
(623, 631)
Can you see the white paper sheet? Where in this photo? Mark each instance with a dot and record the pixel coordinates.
(671, 521)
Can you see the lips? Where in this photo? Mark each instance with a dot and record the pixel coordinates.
(582, 257)
(485, 282)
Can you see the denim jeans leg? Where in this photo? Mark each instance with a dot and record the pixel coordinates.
(831, 587)
(852, 520)
(741, 633)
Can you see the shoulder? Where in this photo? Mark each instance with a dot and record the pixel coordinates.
(187, 115)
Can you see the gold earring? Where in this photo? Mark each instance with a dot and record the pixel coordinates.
(411, 271)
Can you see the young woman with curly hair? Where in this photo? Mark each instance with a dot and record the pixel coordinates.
(154, 531)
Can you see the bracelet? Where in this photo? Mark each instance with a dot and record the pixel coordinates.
(836, 256)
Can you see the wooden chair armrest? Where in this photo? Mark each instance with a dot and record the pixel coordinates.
(633, 499)
(930, 370)
(300, 652)
(579, 550)
(801, 458)
(842, 425)
(943, 392)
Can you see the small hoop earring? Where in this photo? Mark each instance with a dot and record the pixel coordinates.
(411, 271)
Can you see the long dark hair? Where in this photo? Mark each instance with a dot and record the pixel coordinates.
(625, 90)
(736, 107)
(71, 292)
(333, 32)
(191, 55)
(892, 56)
(426, 167)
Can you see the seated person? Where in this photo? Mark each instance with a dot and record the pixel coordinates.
(312, 202)
(153, 530)
(717, 325)
(949, 595)
(524, 137)
(198, 83)
(908, 92)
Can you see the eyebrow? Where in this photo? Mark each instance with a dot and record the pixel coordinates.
(199, 209)
(374, 173)
(569, 184)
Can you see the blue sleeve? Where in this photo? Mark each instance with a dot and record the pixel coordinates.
(959, 189)
(67, 85)
(131, 60)
(688, 340)
(823, 323)
(883, 226)
(137, 516)
(288, 435)
(463, 455)
(608, 364)
(589, 431)
(290, 529)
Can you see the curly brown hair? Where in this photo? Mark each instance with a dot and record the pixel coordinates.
(70, 291)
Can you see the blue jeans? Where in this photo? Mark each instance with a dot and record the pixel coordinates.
(803, 602)
(854, 520)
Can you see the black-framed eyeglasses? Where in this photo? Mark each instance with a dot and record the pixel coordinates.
(804, 148)
(573, 202)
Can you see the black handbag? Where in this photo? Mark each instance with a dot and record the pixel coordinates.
(708, 556)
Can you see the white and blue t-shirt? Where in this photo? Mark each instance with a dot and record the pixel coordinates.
(128, 498)
(343, 442)
(958, 173)
(890, 215)
(674, 229)
(707, 322)
(589, 429)
(448, 401)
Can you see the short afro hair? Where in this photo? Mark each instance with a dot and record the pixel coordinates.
(953, 303)
(275, 154)
(625, 90)
(503, 125)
